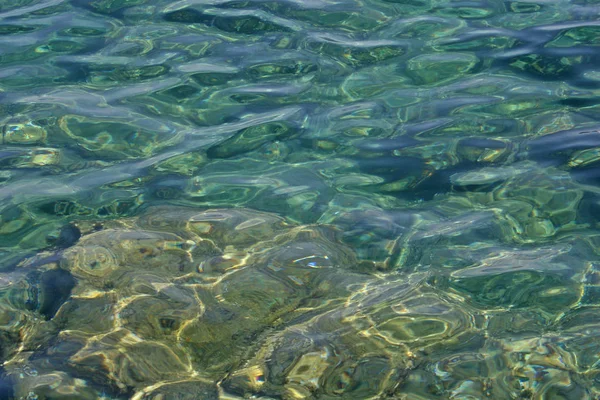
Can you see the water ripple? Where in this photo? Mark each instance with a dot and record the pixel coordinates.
(299, 199)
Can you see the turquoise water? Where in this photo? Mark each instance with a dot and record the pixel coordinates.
(299, 199)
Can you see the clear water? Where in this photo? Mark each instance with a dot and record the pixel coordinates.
(299, 199)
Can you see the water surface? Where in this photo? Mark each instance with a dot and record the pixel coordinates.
(299, 199)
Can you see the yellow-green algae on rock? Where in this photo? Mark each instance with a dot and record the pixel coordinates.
(235, 302)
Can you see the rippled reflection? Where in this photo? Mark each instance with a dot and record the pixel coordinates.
(299, 200)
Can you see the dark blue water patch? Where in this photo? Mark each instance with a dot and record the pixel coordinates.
(68, 236)
(428, 182)
(403, 140)
(583, 82)
(482, 143)
(15, 29)
(589, 205)
(48, 291)
(589, 174)
(392, 168)
(580, 101)
(115, 9)
(439, 181)
(481, 188)
(9, 156)
(244, 24)
(252, 138)
(77, 72)
(555, 148)
(179, 93)
(553, 64)
(6, 386)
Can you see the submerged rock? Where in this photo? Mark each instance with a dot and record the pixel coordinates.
(186, 303)
(165, 298)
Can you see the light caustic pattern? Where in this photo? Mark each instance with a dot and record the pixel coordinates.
(299, 200)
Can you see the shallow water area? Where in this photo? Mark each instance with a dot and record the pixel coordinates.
(299, 200)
